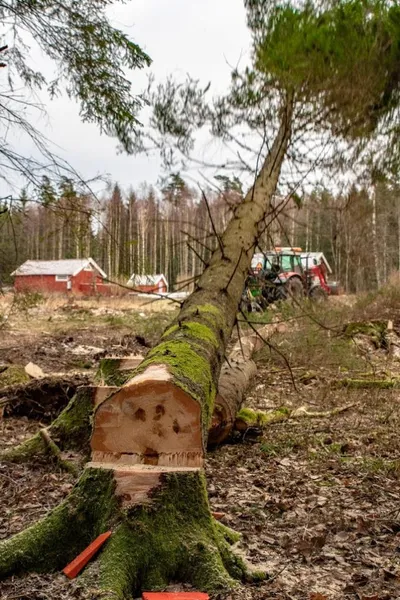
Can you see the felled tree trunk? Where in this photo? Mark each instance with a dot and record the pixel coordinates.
(72, 429)
(236, 375)
(145, 479)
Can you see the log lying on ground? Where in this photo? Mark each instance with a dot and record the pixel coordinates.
(374, 383)
(158, 422)
(236, 375)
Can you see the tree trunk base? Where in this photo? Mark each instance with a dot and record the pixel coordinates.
(164, 533)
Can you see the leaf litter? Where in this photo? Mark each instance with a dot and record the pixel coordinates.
(317, 501)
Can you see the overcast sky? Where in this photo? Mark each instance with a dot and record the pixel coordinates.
(181, 36)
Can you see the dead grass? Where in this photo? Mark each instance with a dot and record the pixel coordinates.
(60, 336)
(18, 307)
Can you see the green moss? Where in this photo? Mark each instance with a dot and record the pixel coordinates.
(258, 418)
(173, 539)
(191, 371)
(169, 331)
(307, 377)
(24, 452)
(382, 384)
(108, 372)
(251, 417)
(195, 330)
(230, 535)
(55, 540)
(13, 375)
(376, 330)
(210, 313)
(73, 426)
(210, 309)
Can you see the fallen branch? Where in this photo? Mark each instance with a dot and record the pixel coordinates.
(368, 383)
(56, 452)
(259, 420)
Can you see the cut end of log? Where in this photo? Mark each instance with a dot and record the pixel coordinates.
(149, 421)
(127, 363)
(101, 393)
(134, 483)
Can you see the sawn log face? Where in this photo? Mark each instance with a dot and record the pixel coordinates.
(148, 421)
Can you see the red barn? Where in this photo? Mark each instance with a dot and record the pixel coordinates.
(80, 276)
(149, 283)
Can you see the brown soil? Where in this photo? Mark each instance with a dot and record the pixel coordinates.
(317, 500)
(62, 337)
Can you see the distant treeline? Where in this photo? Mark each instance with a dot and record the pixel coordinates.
(171, 230)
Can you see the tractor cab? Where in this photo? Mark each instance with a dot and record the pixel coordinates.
(274, 275)
(285, 273)
(276, 262)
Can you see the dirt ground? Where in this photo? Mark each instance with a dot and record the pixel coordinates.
(317, 500)
(62, 336)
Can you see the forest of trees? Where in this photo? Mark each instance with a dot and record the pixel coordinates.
(169, 230)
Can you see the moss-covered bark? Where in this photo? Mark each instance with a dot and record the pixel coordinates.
(13, 375)
(257, 419)
(52, 542)
(71, 430)
(383, 384)
(376, 330)
(109, 372)
(175, 538)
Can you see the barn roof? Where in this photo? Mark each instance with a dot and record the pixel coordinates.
(138, 280)
(71, 267)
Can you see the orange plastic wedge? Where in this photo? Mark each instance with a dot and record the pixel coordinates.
(175, 596)
(83, 558)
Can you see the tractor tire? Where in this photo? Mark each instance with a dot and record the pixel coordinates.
(294, 289)
(317, 294)
(245, 305)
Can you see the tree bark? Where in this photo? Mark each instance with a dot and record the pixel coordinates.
(150, 436)
(236, 375)
(375, 239)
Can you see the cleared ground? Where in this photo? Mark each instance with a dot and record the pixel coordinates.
(316, 499)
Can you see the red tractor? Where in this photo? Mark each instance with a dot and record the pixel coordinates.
(286, 273)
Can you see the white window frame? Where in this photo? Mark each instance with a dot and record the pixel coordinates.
(62, 277)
